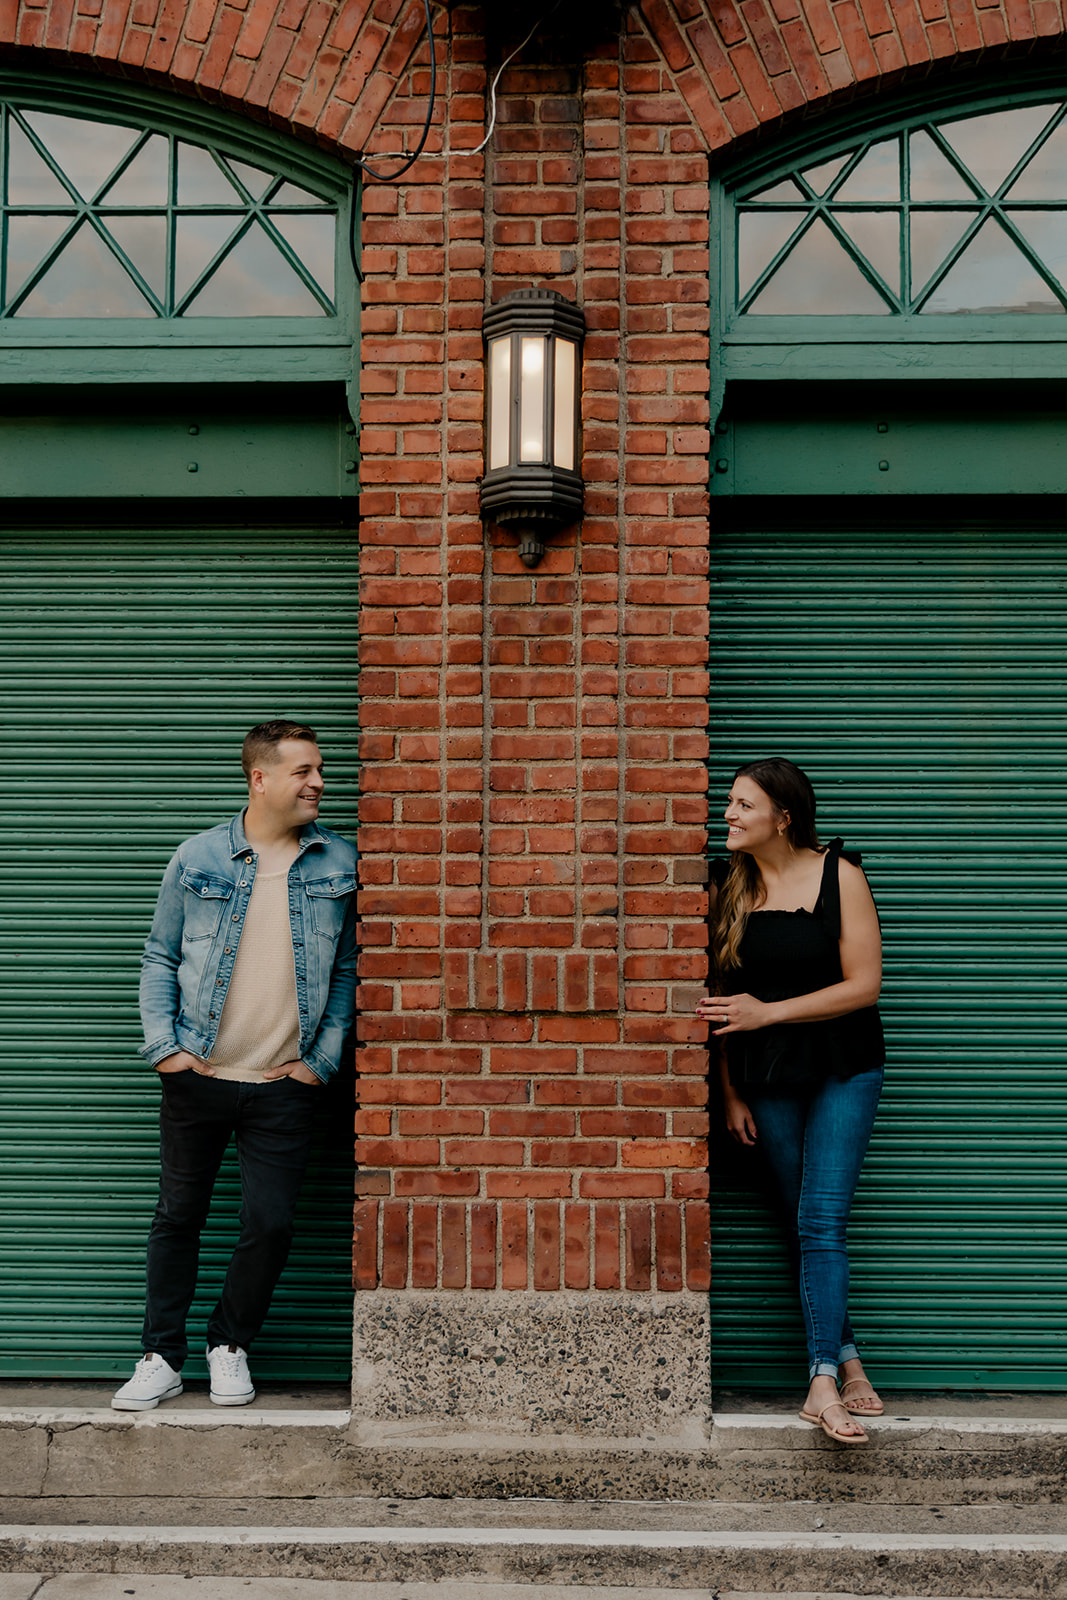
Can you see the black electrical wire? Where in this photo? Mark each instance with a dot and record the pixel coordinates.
(363, 166)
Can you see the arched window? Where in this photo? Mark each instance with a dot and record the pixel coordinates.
(127, 219)
(945, 228)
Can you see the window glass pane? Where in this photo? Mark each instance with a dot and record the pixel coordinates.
(86, 281)
(145, 180)
(312, 239)
(760, 236)
(563, 442)
(532, 400)
(290, 195)
(819, 278)
(992, 275)
(933, 177)
(1046, 231)
(254, 280)
(1045, 178)
(787, 190)
(144, 240)
(499, 402)
(877, 234)
(933, 234)
(30, 180)
(88, 152)
(820, 178)
(200, 183)
(254, 179)
(993, 144)
(197, 240)
(29, 240)
(877, 177)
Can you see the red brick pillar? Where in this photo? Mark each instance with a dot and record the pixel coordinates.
(532, 1079)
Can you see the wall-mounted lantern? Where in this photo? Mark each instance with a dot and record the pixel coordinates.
(534, 339)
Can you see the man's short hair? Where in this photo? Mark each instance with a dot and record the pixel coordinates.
(260, 748)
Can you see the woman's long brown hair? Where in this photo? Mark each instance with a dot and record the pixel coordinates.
(790, 792)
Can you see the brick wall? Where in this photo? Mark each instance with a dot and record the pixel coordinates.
(532, 1084)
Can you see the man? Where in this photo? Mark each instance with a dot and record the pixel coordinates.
(247, 991)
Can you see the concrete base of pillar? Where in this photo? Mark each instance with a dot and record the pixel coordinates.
(485, 1370)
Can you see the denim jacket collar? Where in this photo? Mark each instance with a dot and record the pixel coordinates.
(310, 835)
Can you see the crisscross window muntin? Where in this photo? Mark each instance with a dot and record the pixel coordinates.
(953, 215)
(105, 219)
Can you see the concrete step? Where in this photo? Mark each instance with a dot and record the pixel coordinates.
(119, 1586)
(571, 1546)
(191, 1448)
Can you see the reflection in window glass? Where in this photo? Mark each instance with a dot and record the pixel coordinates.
(819, 278)
(144, 239)
(144, 181)
(29, 239)
(1045, 177)
(1046, 231)
(992, 274)
(951, 244)
(87, 152)
(933, 177)
(197, 241)
(992, 145)
(876, 176)
(254, 280)
(761, 235)
(30, 180)
(820, 178)
(200, 182)
(933, 235)
(86, 281)
(781, 191)
(877, 235)
(312, 240)
(103, 220)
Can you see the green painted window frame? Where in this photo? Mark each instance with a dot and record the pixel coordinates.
(995, 345)
(293, 350)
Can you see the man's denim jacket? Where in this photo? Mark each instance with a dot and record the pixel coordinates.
(190, 952)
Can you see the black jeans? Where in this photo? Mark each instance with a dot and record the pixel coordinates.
(272, 1123)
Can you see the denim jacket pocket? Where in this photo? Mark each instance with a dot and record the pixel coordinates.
(206, 897)
(327, 898)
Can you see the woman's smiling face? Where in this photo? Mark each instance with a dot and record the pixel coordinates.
(752, 818)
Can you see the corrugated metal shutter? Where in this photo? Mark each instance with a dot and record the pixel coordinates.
(914, 664)
(132, 662)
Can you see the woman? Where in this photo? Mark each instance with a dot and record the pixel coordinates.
(797, 961)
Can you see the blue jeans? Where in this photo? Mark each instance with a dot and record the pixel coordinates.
(814, 1139)
(272, 1124)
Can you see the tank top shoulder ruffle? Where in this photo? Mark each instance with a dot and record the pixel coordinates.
(789, 953)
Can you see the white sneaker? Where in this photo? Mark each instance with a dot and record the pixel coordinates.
(231, 1382)
(153, 1380)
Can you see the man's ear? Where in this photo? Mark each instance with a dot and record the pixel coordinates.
(255, 781)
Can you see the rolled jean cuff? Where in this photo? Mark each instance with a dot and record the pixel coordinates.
(822, 1369)
(847, 1352)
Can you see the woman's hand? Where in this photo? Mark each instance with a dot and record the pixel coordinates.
(733, 1013)
(740, 1122)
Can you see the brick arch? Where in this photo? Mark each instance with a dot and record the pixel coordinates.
(740, 65)
(325, 70)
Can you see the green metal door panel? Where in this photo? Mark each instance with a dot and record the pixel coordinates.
(886, 451)
(197, 455)
(913, 663)
(132, 662)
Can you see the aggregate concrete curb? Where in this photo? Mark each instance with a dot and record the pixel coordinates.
(1010, 1567)
(955, 1460)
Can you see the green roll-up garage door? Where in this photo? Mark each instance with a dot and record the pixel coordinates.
(914, 662)
(132, 661)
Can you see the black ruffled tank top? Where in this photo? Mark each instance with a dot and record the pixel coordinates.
(788, 953)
